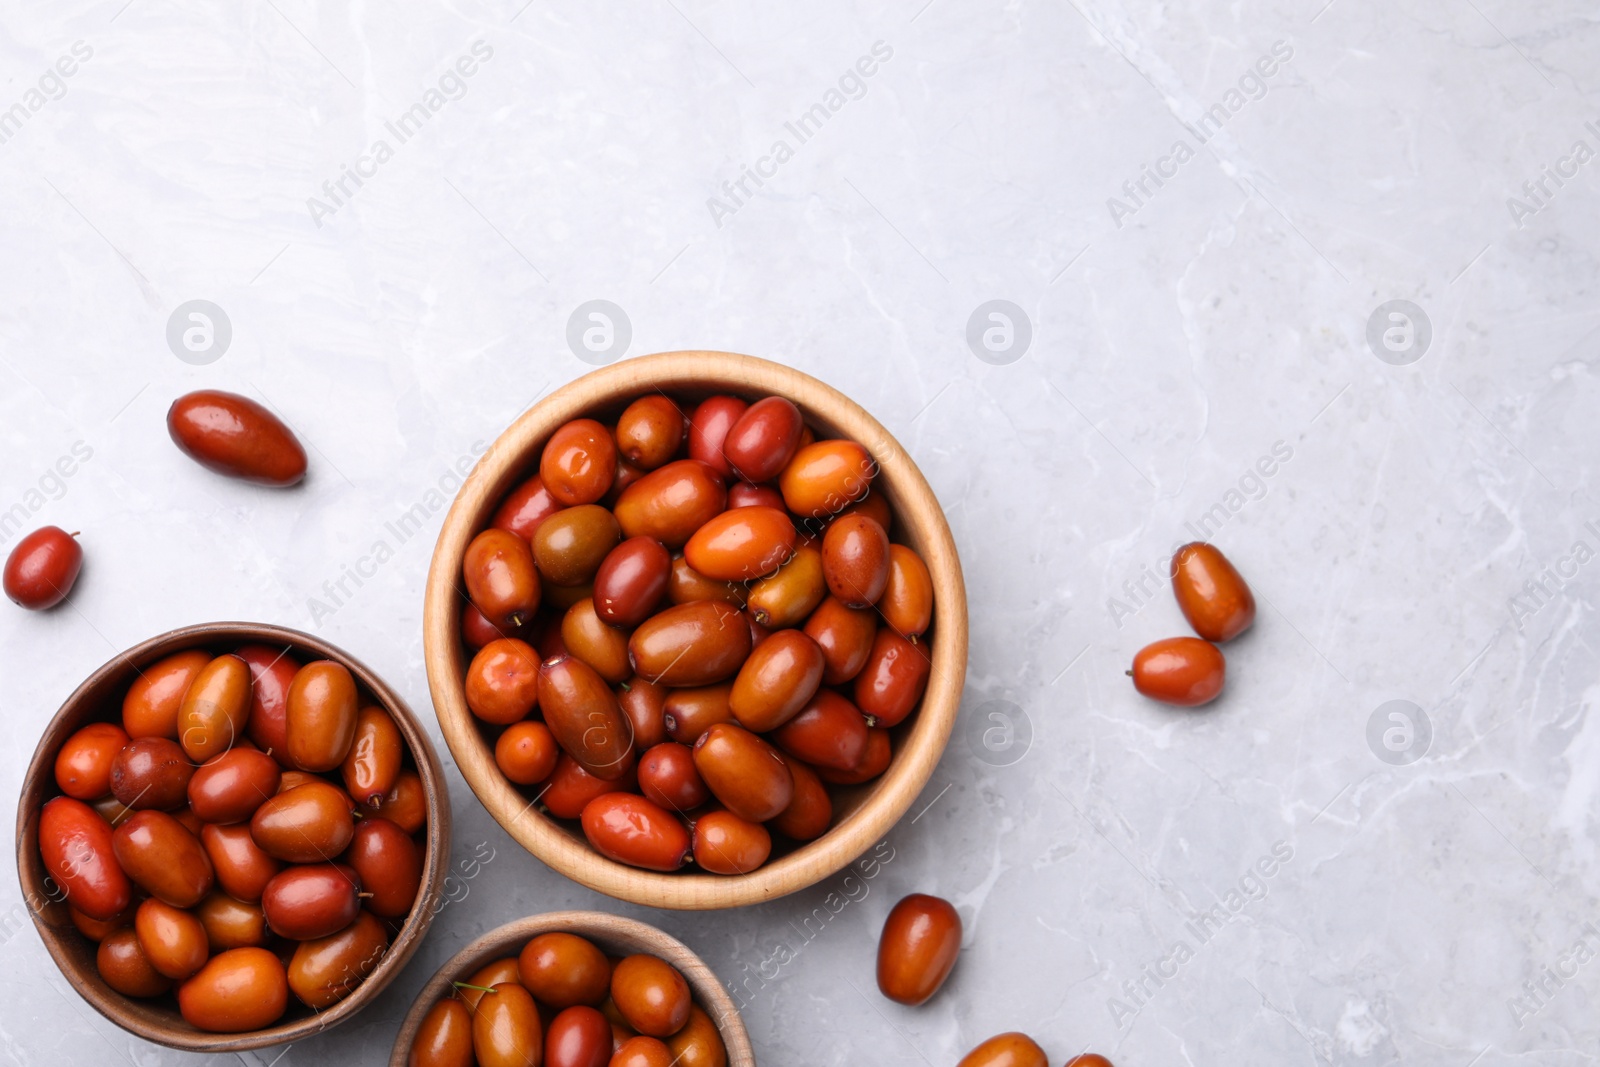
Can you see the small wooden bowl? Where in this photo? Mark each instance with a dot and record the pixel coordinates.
(616, 936)
(863, 814)
(99, 699)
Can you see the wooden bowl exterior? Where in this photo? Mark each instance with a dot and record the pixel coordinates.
(616, 936)
(864, 813)
(99, 698)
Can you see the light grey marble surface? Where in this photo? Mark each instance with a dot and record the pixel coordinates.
(1182, 341)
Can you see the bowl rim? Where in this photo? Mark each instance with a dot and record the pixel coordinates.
(607, 930)
(40, 780)
(506, 463)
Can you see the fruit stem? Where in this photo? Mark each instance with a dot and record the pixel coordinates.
(469, 985)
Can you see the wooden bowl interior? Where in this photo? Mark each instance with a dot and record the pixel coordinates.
(862, 813)
(99, 699)
(616, 936)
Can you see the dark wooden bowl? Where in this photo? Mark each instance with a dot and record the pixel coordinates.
(616, 936)
(99, 699)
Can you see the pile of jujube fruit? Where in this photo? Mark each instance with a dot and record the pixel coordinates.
(689, 624)
(251, 828)
(563, 1002)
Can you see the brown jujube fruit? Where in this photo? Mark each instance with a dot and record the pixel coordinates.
(855, 560)
(163, 858)
(591, 639)
(781, 675)
(650, 431)
(1211, 593)
(484, 978)
(652, 996)
(578, 1037)
(570, 788)
(312, 901)
(506, 1031)
(405, 804)
(562, 970)
(235, 436)
(918, 947)
(83, 766)
(764, 439)
(874, 506)
(231, 923)
(372, 764)
(151, 772)
(242, 867)
(825, 476)
(97, 929)
(745, 773)
(325, 970)
(122, 963)
(893, 678)
(699, 1043)
(810, 811)
(111, 810)
(786, 598)
(569, 547)
(632, 830)
(1011, 1049)
(685, 585)
(631, 581)
(671, 502)
(322, 713)
(907, 601)
(272, 671)
(388, 864)
(230, 787)
(688, 713)
(644, 703)
(150, 707)
(727, 844)
(578, 462)
(173, 940)
(1185, 671)
(584, 716)
(642, 1051)
(742, 545)
(502, 682)
(216, 709)
(874, 761)
(691, 644)
(477, 631)
(744, 495)
(445, 1037)
(307, 824)
(42, 568)
(828, 732)
(524, 508)
(498, 571)
(526, 753)
(668, 778)
(845, 636)
(238, 990)
(708, 431)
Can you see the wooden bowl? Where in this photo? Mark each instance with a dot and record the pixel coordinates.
(863, 814)
(616, 936)
(100, 699)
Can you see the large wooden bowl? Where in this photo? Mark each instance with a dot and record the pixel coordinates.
(99, 699)
(615, 936)
(863, 814)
